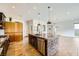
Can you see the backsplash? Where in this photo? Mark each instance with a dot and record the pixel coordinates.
(1, 32)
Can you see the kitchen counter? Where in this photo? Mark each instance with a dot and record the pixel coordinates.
(41, 37)
(4, 43)
(46, 46)
(2, 40)
(1, 50)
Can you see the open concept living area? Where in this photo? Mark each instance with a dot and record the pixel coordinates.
(39, 29)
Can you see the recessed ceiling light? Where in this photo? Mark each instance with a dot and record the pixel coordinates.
(13, 7)
(67, 12)
(35, 8)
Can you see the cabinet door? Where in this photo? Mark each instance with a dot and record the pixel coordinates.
(18, 31)
(14, 30)
(35, 42)
(18, 27)
(9, 27)
(41, 46)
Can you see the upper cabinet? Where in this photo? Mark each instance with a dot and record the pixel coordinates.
(18, 27)
(2, 19)
(13, 27)
(14, 30)
(9, 27)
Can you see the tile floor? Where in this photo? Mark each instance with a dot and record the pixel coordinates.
(68, 46)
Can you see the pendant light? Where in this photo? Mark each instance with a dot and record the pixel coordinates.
(10, 19)
(52, 39)
(49, 25)
(39, 25)
(49, 20)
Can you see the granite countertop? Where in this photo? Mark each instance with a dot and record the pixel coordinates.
(46, 38)
(39, 36)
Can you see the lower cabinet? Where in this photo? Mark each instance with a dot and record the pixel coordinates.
(40, 44)
(4, 47)
(33, 41)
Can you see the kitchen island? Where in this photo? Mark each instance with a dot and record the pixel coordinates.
(45, 47)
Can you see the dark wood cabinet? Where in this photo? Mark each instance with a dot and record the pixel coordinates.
(40, 44)
(4, 45)
(33, 41)
(2, 17)
(1, 25)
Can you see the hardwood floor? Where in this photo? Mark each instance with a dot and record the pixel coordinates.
(17, 49)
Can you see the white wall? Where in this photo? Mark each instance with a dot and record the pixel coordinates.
(66, 28)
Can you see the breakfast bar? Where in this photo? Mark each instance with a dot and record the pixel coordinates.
(44, 46)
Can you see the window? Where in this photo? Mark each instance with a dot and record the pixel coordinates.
(76, 26)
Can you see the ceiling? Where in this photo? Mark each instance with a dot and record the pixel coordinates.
(59, 12)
